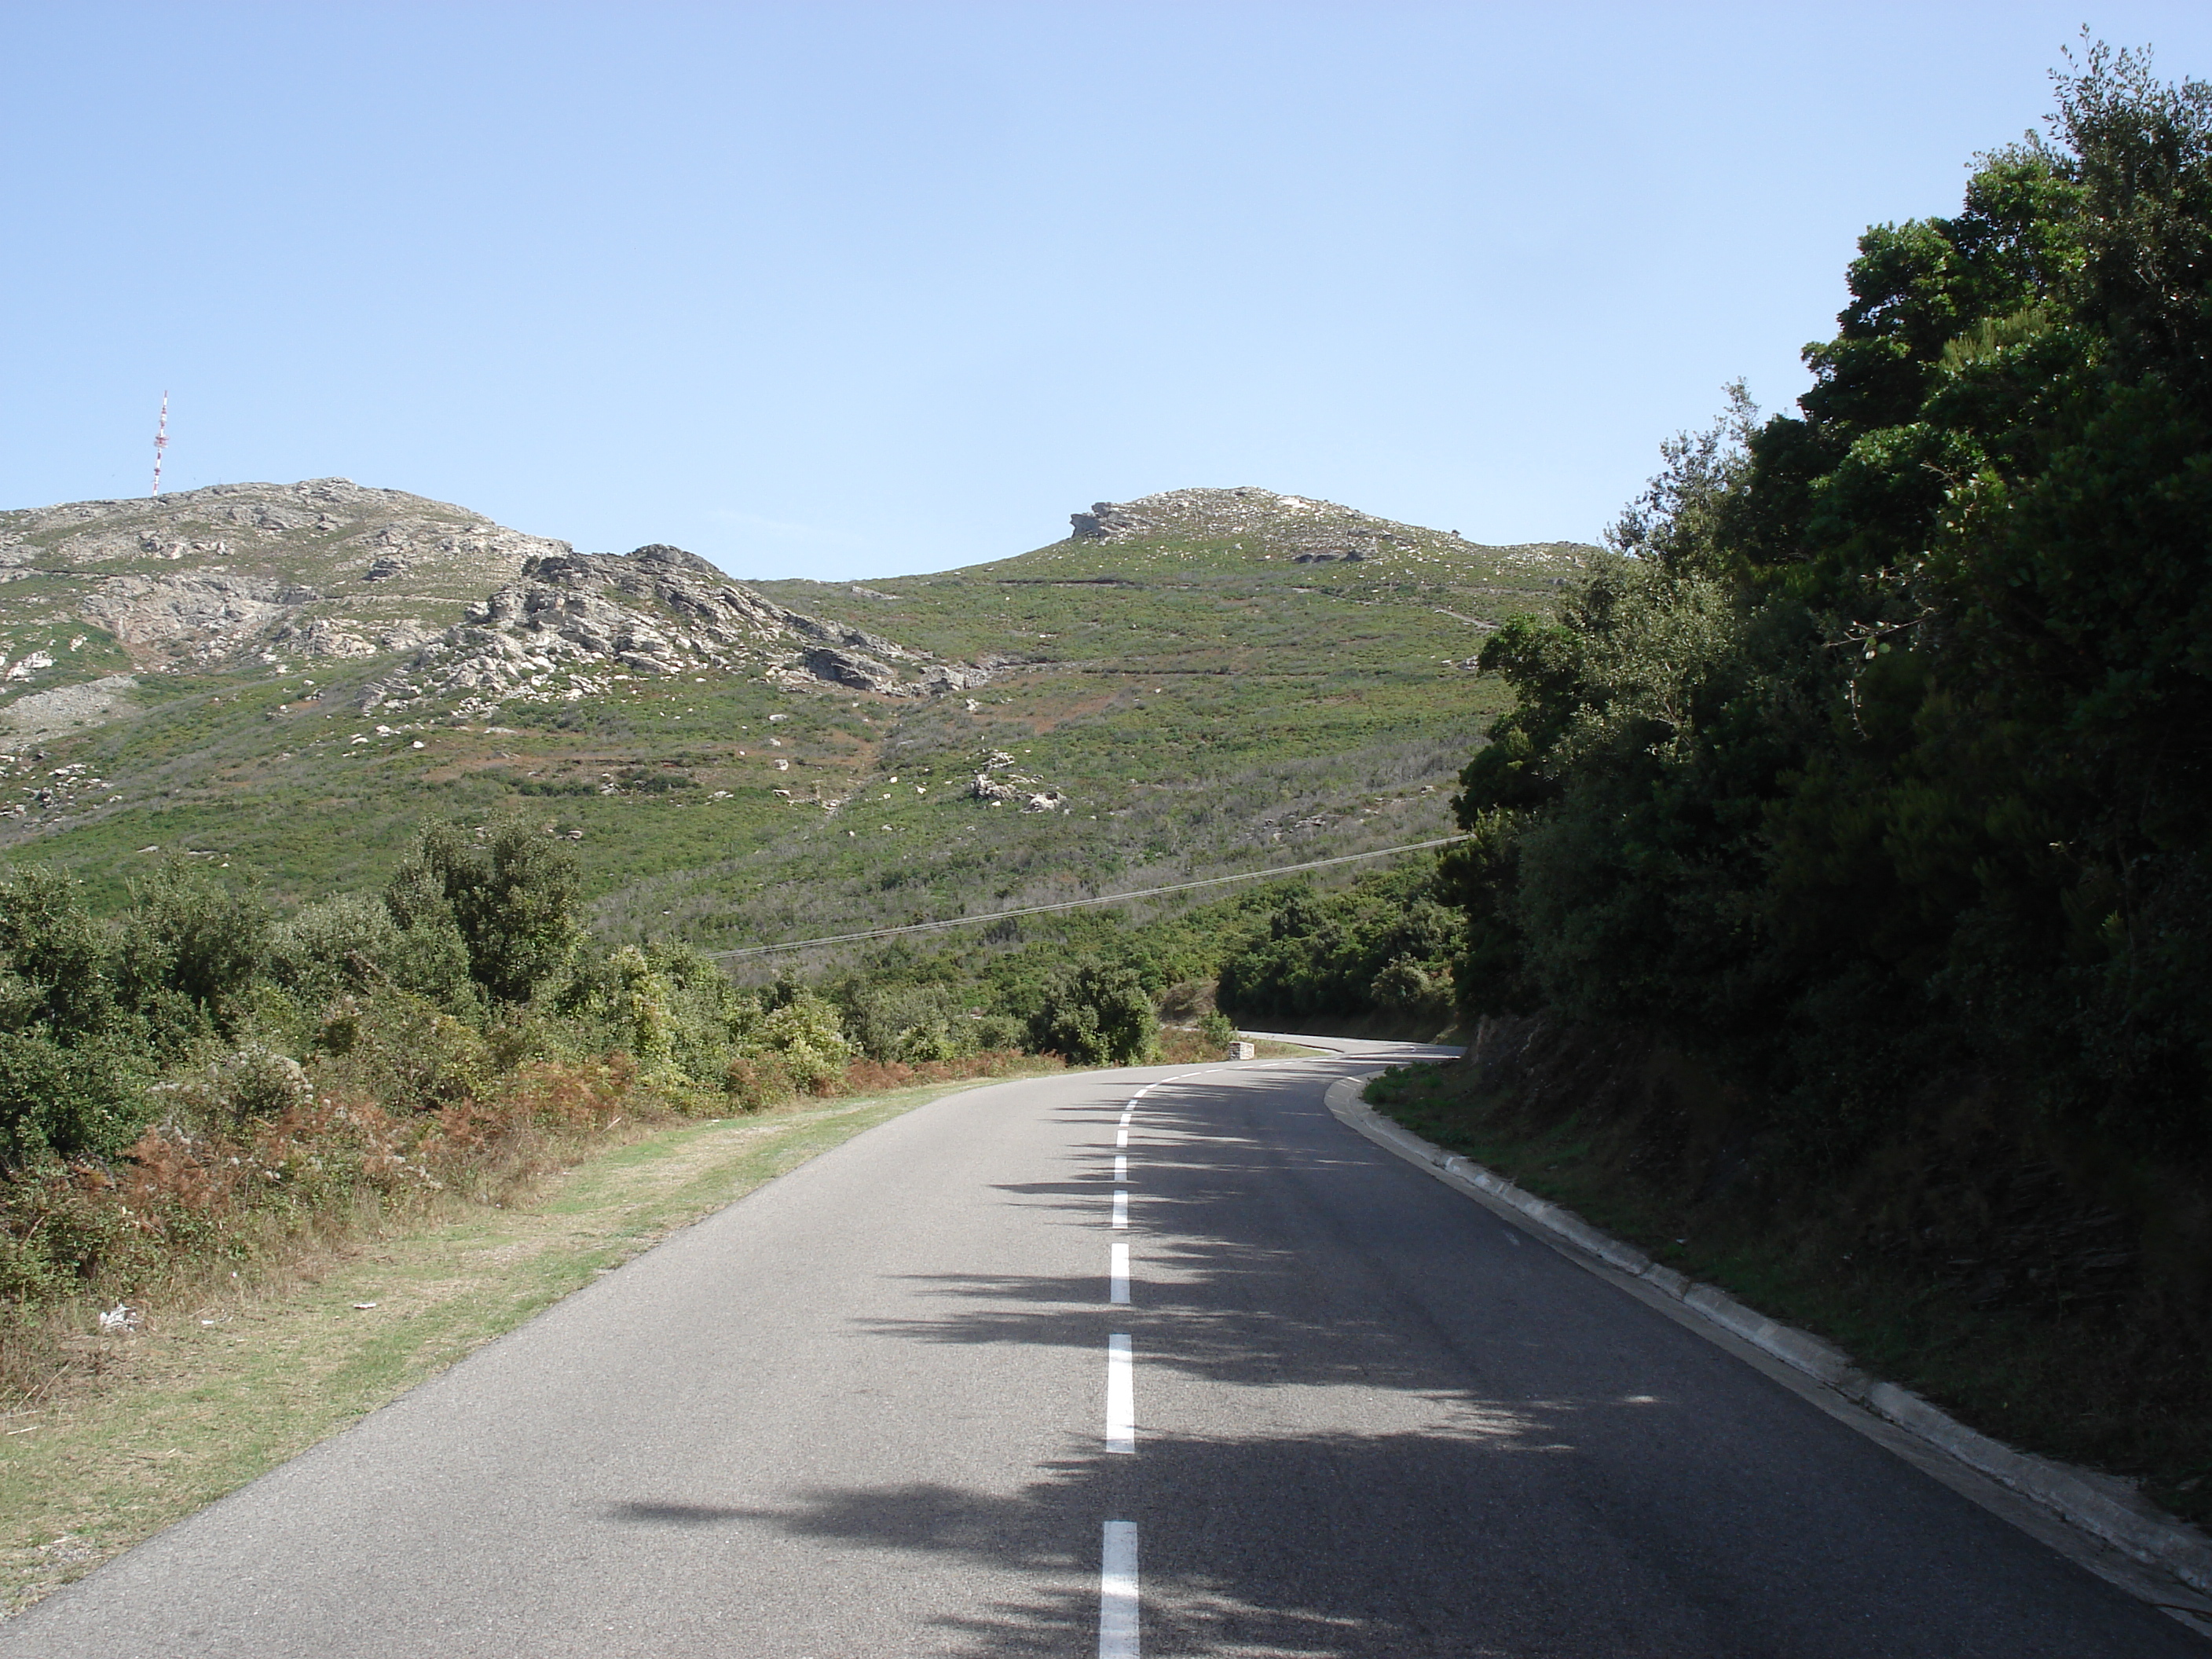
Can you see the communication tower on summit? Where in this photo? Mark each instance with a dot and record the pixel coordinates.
(160, 443)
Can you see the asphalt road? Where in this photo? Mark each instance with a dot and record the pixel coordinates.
(887, 1405)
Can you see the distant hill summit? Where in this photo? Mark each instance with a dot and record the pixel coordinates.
(326, 568)
(1298, 527)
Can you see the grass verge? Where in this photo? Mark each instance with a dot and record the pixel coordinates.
(203, 1399)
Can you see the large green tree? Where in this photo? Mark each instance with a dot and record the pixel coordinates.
(1882, 743)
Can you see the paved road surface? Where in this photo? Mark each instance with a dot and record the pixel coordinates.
(874, 1408)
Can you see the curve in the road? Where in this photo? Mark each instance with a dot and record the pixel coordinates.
(861, 1413)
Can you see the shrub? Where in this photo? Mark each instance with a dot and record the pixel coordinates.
(1095, 1015)
(56, 957)
(344, 945)
(906, 1022)
(58, 1228)
(641, 1010)
(1335, 956)
(511, 901)
(1414, 989)
(402, 1051)
(990, 1032)
(756, 1082)
(56, 1103)
(805, 1035)
(186, 951)
(251, 1082)
(1186, 1002)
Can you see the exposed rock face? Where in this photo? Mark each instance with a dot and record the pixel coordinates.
(998, 780)
(218, 613)
(849, 669)
(322, 637)
(1298, 527)
(573, 621)
(49, 713)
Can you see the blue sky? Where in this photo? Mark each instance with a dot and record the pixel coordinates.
(851, 290)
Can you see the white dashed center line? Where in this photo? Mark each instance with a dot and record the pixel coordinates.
(1121, 1396)
(1117, 1592)
(1117, 1561)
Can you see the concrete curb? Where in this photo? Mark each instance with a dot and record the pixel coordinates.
(2109, 1512)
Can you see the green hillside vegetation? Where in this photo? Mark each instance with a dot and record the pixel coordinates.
(198, 1080)
(1857, 811)
(1378, 957)
(202, 1077)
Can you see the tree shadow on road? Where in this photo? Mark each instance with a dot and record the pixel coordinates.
(1508, 1558)
(1241, 1274)
(1435, 1440)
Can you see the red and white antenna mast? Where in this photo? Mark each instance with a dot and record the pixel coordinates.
(160, 443)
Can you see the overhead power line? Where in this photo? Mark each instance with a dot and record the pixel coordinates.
(1075, 904)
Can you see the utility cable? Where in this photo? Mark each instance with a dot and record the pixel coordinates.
(1074, 904)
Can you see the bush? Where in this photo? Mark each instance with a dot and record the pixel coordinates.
(511, 901)
(906, 1022)
(253, 1081)
(990, 1033)
(1186, 1002)
(404, 1052)
(340, 945)
(57, 959)
(57, 1102)
(186, 951)
(1414, 990)
(804, 1036)
(756, 1082)
(1095, 1015)
(1384, 945)
(57, 1228)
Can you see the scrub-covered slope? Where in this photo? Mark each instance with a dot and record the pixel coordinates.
(284, 678)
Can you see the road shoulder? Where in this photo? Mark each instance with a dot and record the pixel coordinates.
(2157, 1560)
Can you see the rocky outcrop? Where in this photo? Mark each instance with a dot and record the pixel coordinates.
(998, 780)
(328, 569)
(323, 637)
(217, 612)
(574, 622)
